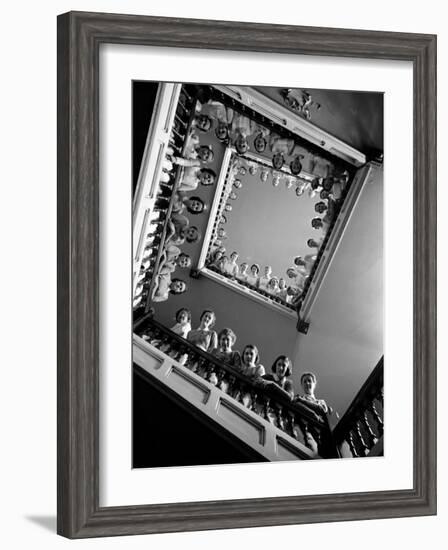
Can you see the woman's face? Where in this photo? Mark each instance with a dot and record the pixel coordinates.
(206, 178)
(207, 319)
(221, 131)
(281, 367)
(260, 143)
(241, 144)
(225, 342)
(320, 207)
(278, 161)
(178, 286)
(308, 385)
(195, 205)
(296, 166)
(249, 356)
(192, 234)
(184, 261)
(273, 283)
(183, 318)
(205, 153)
(254, 270)
(203, 122)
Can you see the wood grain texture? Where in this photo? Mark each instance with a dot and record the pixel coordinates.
(79, 37)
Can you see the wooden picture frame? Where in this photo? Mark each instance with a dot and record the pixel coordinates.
(79, 38)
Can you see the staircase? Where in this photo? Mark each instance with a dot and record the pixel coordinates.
(268, 423)
(264, 422)
(359, 433)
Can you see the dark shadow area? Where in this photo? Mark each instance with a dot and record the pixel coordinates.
(167, 434)
(143, 99)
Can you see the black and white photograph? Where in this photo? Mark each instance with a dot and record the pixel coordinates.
(257, 274)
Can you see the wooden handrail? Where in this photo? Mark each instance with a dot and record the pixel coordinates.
(275, 299)
(369, 389)
(161, 245)
(147, 321)
(360, 430)
(169, 211)
(218, 94)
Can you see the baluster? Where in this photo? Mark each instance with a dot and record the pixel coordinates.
(244, 397)
(221, 381)
(195, 366)
(182, 355)
(233, 389)
(178, 122)
(290, 426)
(165, 345)
(364, 447)
(203, 369)
(351, 444)
(371, 434)
(376, 416)
(184, 96)
(190, 359)
(211, 374)
(267, 409)
(279, 417)
(176, 134)
(150, 334)
(253, 400)
(172, 144)
(173, 350)
(182, 104)
(307, 437)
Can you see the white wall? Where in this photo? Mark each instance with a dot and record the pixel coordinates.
(28, 399)
(273, 333)
(345, 338)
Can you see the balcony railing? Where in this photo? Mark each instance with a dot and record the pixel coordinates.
(247, 290)
(359, 433)
(158, 211)
(268, 402)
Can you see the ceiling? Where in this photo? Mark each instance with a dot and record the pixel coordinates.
(354, 117)
(269, 225)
